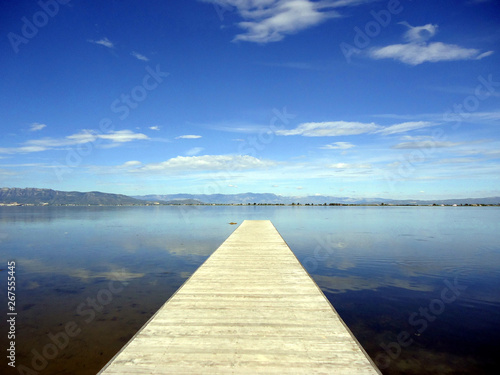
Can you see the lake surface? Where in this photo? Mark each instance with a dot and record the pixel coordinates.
(418, 286)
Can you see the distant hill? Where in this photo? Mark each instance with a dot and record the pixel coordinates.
(269, 198)
(55, 197)
(49, 196)
(260, 198)
(218, 198)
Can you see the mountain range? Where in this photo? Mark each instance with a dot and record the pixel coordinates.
(262, 198)
(55, 197)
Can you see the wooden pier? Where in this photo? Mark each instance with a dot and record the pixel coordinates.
(250, 308)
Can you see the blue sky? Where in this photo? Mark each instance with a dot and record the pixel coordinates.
(396, 99)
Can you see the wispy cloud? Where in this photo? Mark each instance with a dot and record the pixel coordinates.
(487, 118)
(203, 163)
(343, 166)
(103, 42)
(330, 129)
(415, 54)
(21, 150)
(462, 90)
(457, 161)
(342, 128)
(194, 151)
(267, 21)
(139, 56)
(36, 127)
(131, 163)
(404, 127)
(122, 136)
(338, 146)
(154, 128)
(86, 136)
(425, 145)
(467, 117)
(418, 50)
(239, 128)
(188, 136)
(419, 34)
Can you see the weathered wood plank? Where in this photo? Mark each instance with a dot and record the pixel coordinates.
(250, 308)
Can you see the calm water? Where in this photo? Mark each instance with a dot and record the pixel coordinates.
(418, 286)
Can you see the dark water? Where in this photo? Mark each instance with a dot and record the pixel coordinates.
(418, 286)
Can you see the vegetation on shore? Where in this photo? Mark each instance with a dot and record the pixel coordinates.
(49, 197)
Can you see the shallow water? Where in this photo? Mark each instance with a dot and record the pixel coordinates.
(418, 286)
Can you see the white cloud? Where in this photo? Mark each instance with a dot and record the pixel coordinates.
(342, 128)
(489, 117)
(86, 136)
(122, 136)
(131, 163)
(188, 136)
(419, 34)
(271, 20)
(243, 128)
(430, 144)
(458, 161)
(37, 126)
(103, 42)
(338, 146)
(418, 51)
(83, 137)
(154, 127)
(21, 150)
(404, 127)
(207, 163)
(416, 138)
(468, 117)
(349, 166)
(415, 54)
(330, 129)
(484, 54)
(138, 56)
(79, 138)
(194, 151)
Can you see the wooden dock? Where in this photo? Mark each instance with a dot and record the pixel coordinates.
(250, 308)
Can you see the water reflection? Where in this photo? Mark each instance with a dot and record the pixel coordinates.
(377, 265)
